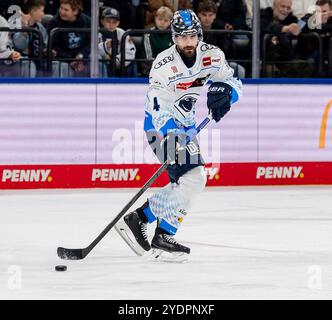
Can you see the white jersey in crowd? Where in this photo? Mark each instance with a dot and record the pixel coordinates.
(106, 53)
(5, 42)
(175, 88)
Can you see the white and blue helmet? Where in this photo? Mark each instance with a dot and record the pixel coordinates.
(185, 22)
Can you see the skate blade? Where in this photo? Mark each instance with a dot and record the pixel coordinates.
(158, 255)
(126, 234)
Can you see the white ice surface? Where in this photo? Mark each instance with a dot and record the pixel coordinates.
(247, 243)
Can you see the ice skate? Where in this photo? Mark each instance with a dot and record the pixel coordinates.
(133, 229)
(165, 248)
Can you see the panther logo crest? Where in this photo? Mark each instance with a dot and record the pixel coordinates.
(187, 103)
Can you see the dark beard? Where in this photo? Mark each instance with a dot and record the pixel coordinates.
(187, 54)
(189, 61)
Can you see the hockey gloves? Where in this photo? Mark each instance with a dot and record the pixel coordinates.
(219, 99)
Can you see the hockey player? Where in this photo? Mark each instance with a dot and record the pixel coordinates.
(177, 77)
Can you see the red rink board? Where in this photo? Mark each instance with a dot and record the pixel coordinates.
(134, 176)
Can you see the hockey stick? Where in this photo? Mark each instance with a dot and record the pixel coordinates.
(79, 254)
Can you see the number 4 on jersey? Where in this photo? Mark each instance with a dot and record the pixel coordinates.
(156, 106)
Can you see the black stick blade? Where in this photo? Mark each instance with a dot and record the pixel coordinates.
(70, 254)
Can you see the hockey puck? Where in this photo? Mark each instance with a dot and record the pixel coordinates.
(60, 268)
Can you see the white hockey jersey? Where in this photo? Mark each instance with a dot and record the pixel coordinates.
(174, 88)
(130, 49)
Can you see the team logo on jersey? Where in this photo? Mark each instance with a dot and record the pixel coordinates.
(164, 61)
(207, 61)
(187, 103)
(199, 82)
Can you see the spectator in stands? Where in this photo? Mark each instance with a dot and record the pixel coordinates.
(154, 43)
(195, 3)
(280, 19)
(71, 45)
(231, 15)
(299, 8)
(302, 7)
(154, 5)
(319, 22)
(52, 7)
(29, 44)
(207, 13)
(282, 24)
(110, 21)
(11, 66)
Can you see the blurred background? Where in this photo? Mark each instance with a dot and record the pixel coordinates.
(121, 38)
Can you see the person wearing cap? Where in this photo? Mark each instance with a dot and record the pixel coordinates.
(110, 33)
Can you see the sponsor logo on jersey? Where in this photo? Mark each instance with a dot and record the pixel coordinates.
(207, 61)
(199, 82)
(279, 173)
(175, 76)
(17, 175)
(216, 61)
(183, 212)
(164, 61)
(184, 85)
(206, 47)
(174, 69)
(115, 174)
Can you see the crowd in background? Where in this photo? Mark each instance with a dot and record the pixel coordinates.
(295, 35)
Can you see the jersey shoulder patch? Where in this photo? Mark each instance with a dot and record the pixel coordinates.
(211, 55)
(163, 59)
(205, 47)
